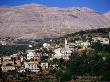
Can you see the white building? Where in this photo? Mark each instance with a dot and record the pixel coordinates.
(14, 55)
(21, 70)
(44, 65)
(3, 43)
(30, 46)
(46, 45)
(7, 68)
(32, 66)
(30, 54)
(85, 45)
(6, 58)
(1, 60)
(78, 43)
(64, 52)
(21, 59)
(102, 40)
(58, 53)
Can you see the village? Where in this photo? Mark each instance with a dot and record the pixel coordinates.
(38, 61)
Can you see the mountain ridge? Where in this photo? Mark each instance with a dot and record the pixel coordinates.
(107, 15)
(34, 21)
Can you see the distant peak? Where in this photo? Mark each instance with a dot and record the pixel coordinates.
(82, 9)
(107, 12)
(32, 5)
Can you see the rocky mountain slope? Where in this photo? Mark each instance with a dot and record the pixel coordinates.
(107, 15)
(37, 21)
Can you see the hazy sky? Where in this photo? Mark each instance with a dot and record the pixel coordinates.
(99, 5)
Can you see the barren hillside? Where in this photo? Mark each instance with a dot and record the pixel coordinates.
(37, 21)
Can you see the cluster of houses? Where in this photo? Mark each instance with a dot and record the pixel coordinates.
(68, 48)
(6, 41)
(32, 60)
(16, 62)
(10, 62)
(101, 40)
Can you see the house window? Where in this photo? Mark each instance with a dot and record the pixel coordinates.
(106, 39)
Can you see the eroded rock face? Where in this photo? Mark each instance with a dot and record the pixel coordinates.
(107, 15)
(38, 21)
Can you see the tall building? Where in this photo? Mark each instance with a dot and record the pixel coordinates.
(109, 37)
(66, 44)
